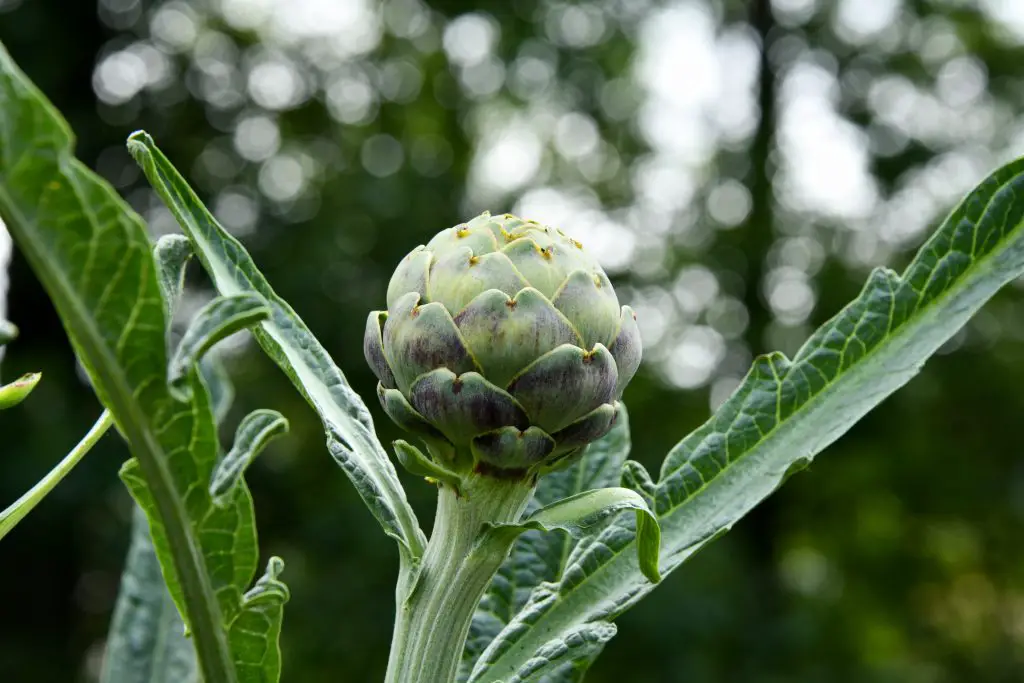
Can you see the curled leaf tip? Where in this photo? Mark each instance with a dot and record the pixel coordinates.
(256, 430)
(269, 590)
(420, 465)
(219, 319)
(18, 390)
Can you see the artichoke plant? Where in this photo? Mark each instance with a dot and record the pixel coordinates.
(503, 348)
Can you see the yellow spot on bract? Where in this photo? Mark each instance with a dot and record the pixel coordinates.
(462, 231)
(598, 282)
(546, 253)
(473, 260)
(576, 243)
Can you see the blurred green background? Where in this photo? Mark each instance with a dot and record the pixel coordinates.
(738, 166)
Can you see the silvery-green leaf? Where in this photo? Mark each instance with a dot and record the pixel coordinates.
(256, 430)
(172, 253)
(585, 512)
(287, 340)
(636, 478)
(147, 642)
(786, 412)
(566, 659)
(220, 318)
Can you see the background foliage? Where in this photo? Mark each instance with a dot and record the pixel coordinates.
(738, 166)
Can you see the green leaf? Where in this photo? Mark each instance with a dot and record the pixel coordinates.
(287, 340)
(218, 319)
(147, 642)
(785, 412)
(567, 659)
(217, 380)
(255, 633)
(17, 510)
(419, 465)
(259, 428)
(226, 532)
(17, 391)
(636, 478)
(584, 512)
(92, 254)
(537, 557)
(172, 253)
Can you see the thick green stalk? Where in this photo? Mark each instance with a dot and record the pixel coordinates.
(17, 510)
(431, 623)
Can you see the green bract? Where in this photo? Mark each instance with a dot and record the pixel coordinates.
(503, 347)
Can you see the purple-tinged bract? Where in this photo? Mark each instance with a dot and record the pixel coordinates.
(503, 347)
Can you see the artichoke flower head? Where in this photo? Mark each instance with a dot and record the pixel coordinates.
(503, 347)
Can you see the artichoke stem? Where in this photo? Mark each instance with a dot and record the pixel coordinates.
(432, 621)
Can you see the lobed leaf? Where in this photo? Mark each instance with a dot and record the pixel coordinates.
(286, 339)
(218, 319)
(256, 430)
(784, 413)
(92, 254)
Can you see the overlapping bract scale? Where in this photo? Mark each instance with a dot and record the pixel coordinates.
(503, 339)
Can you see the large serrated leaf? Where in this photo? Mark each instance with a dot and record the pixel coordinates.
(93, 256)
(147, 642)
(786, 412)
(287, 340)
(538, 557)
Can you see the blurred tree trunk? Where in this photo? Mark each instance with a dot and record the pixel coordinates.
(756, 236)
(757, 233)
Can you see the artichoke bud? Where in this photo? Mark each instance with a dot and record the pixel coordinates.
(503, 347)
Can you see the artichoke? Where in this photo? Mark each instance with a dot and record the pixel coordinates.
(503, 347)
